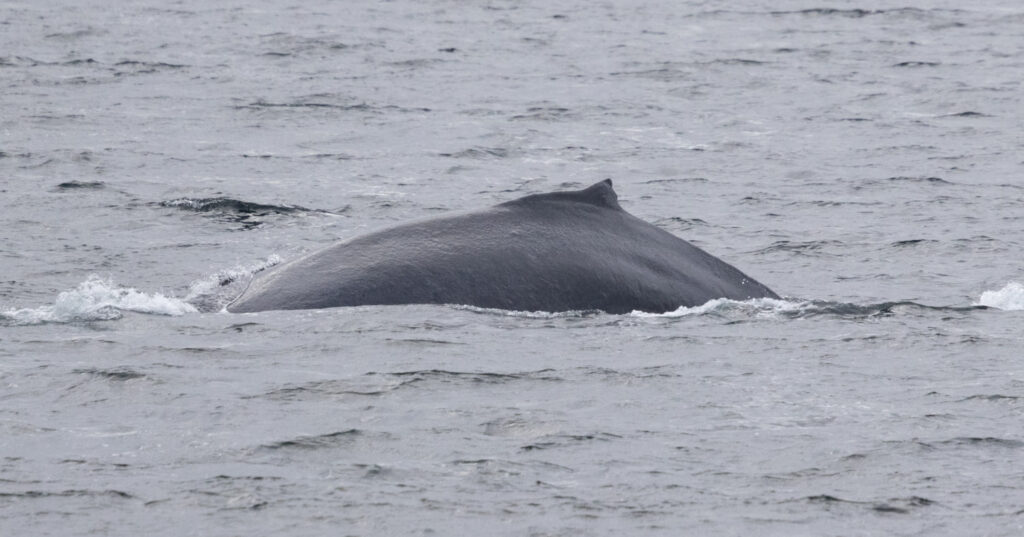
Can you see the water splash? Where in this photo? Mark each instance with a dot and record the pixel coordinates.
(217, 290)
(96, 299)
(771, 308)
(1010, 297)
(756, 307)
(100, 299)
(572, 314)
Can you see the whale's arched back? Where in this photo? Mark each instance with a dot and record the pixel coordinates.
(559, 251)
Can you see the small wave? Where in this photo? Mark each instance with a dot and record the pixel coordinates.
(333, 156)
(735, 61)
(758, 307)
(336, 388)
(545, 113)
(374, 384)
(912, 242)
(826, 498)
(246, 213)
(117, 374)
(981, 441)
(445, 376)
(923, 179)
(564, 440)
(134, 67)
(479, 153)
(528, 314)
(892, 505)
(79, 185)
(317, 102)
(1010, 298)
(771, 308)
(991, 398)
(854, 13)
(138, 63)
(967, 113)
(96, 299)
(810, 248)
(917, 64)
(229, 205)
(305, 104)
(329, 440)
(78, 61)
(67, 493)
(676, 223)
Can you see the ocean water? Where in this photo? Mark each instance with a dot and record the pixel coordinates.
(864, 160)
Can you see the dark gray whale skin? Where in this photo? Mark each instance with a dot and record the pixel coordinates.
(551, 252)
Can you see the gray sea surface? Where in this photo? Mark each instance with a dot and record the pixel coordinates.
(863, 159)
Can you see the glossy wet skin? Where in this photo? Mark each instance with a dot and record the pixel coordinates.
(549, 252)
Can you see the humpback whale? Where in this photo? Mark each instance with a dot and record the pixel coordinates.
(560, 251)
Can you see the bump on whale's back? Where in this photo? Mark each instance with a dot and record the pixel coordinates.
(600, 194)
(558, 251)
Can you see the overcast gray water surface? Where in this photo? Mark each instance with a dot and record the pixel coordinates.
(865, 160)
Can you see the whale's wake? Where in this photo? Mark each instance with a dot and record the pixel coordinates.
(791, 308)
(96, 299)
(100, 299)
(215, 291)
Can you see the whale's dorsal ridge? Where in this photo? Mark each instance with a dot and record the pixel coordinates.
(600, 194)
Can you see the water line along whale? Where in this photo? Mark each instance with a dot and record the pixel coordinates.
(560, 251)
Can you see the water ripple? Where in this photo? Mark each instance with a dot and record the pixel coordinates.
(328, 440)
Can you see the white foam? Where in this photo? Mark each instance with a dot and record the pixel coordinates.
(1010, 297)
(518, 313)
(97, 299)
(210, 289)
(755, 307)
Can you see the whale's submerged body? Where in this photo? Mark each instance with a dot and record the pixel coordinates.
(552, 252)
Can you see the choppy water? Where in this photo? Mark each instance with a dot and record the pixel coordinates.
(865, 161)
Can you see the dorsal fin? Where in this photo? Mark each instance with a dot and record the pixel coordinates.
(600, 194)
